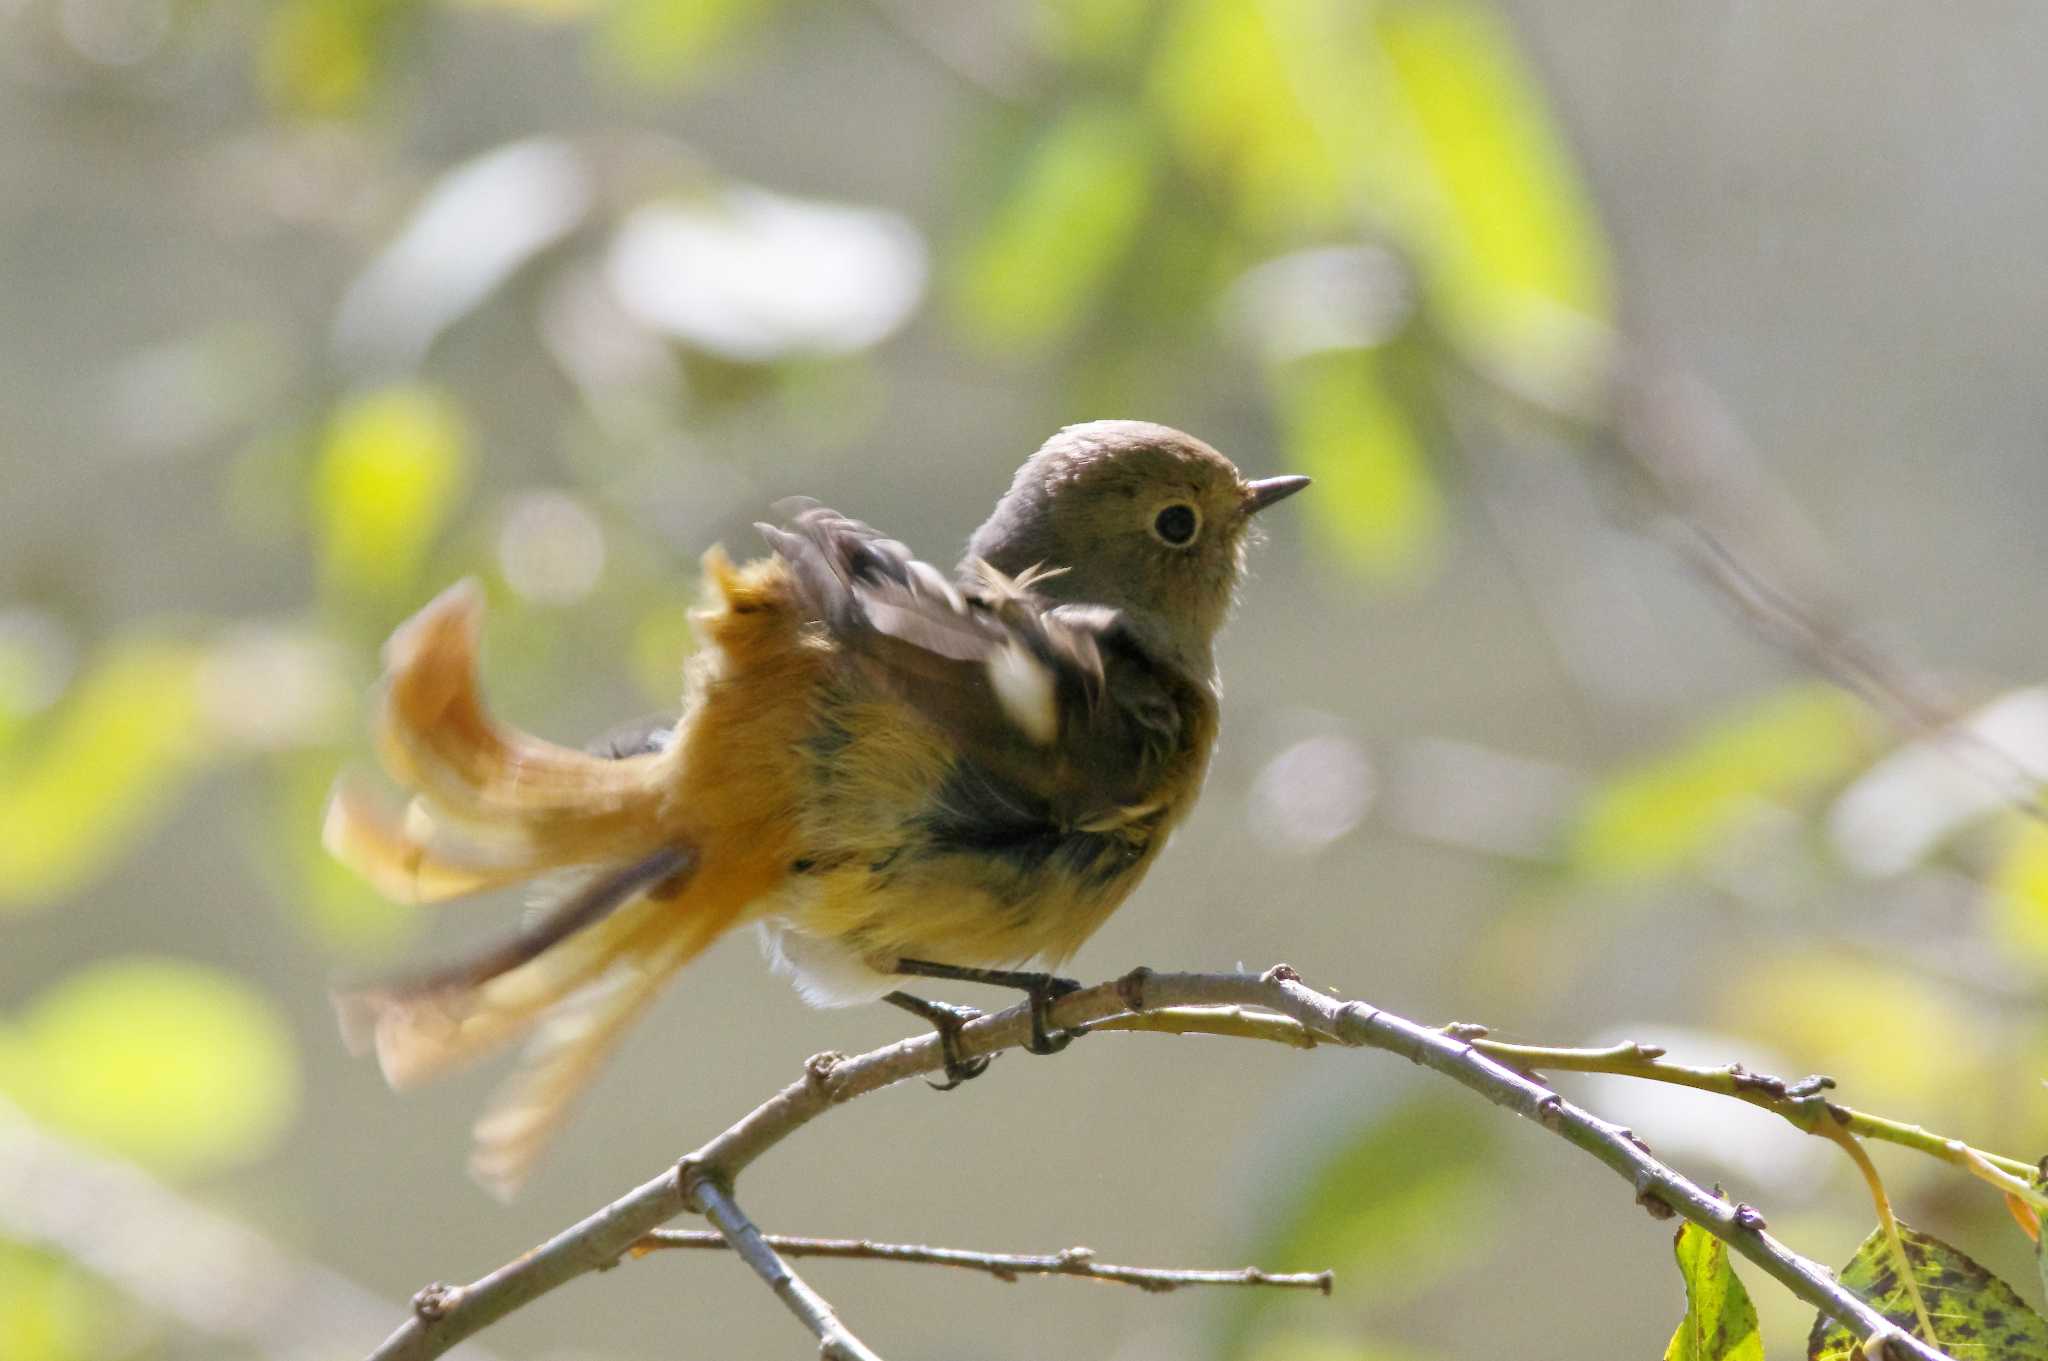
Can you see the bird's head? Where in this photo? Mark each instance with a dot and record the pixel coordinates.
(1141, 517)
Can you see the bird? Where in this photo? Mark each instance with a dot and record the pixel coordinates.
(889, 770)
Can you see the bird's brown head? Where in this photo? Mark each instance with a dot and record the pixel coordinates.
(1142, 517)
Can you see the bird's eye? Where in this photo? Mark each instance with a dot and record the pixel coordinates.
(1176, 523)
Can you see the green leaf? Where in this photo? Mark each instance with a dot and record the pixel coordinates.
(1068, 219)
(661, 43)
(79, 790)
(390, 470)
(1228, 84)
(1720, 1322)
(1515, 256)
(1377, 504)
(1089, 30)
(182, 1067)
(49, 1310)
(1976, 1315)
(1656, 818)
(324, 58)
(2019, 890)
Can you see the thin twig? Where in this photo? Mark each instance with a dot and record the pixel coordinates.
(1004, 1266)
(1697, 479)
(831, 1079)
(836, 1341)
(1801, 1104)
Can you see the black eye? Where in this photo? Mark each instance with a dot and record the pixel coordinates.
(1176, 524)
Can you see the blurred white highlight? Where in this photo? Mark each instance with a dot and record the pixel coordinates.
(1312, 793)
(754, 276)
(474, 229)
(550, 548)
(1908, 804)
(1329, 298)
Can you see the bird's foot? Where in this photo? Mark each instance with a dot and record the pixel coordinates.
(948, 1021)
(1044, 1039)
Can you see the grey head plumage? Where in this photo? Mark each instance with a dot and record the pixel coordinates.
(1143, 518)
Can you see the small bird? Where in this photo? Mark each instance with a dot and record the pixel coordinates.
(890, 771)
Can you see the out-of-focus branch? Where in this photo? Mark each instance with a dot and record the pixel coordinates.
(199, 1269)
(445, 1315)
(1076, 1262)
(1698, 482)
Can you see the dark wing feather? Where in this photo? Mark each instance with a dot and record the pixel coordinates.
(1061, 701)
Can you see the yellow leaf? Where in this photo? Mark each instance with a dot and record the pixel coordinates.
(1070, 218)
(1659, 816)
(392, 465)
(1376, 502)
(1228, 83)
(1081, 30)
(48, 1310)
(661, 42)
(1894, 1040)
(1516, 258)
(181, 1067)
(113, 754)
(321, 57)
(2019, 891)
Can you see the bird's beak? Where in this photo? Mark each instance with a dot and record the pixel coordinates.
(1264, 492)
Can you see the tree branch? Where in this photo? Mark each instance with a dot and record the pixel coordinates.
(1004, 1266)
(1801, 1104)
(443, 1316)
(835, 1341)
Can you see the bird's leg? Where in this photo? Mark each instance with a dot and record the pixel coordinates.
(1042, 988)
(947, 1020)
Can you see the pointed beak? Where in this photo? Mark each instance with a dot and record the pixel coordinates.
(1267, 490)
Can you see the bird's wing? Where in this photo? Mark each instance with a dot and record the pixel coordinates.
(1062, 701)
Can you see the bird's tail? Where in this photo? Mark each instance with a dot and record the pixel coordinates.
(493, 807)
(666, 849)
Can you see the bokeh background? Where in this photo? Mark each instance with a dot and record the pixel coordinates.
(309, 308)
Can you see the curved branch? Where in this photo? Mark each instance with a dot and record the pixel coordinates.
(443, 1316)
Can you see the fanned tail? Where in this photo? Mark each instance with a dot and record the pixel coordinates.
(492, 806)
(563, 1056)
(485, 783)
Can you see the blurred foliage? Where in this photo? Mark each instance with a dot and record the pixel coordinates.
(86, 782)
(181, 1067)
(2019, 891)
(1720, 1322)
(1661, 815)
(1371, 201)
(391, 468)
(1395, 1208)
(49, 1309)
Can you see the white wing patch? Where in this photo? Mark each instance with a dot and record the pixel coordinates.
(1024, 686)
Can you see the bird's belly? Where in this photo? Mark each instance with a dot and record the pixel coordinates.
(840, 929)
